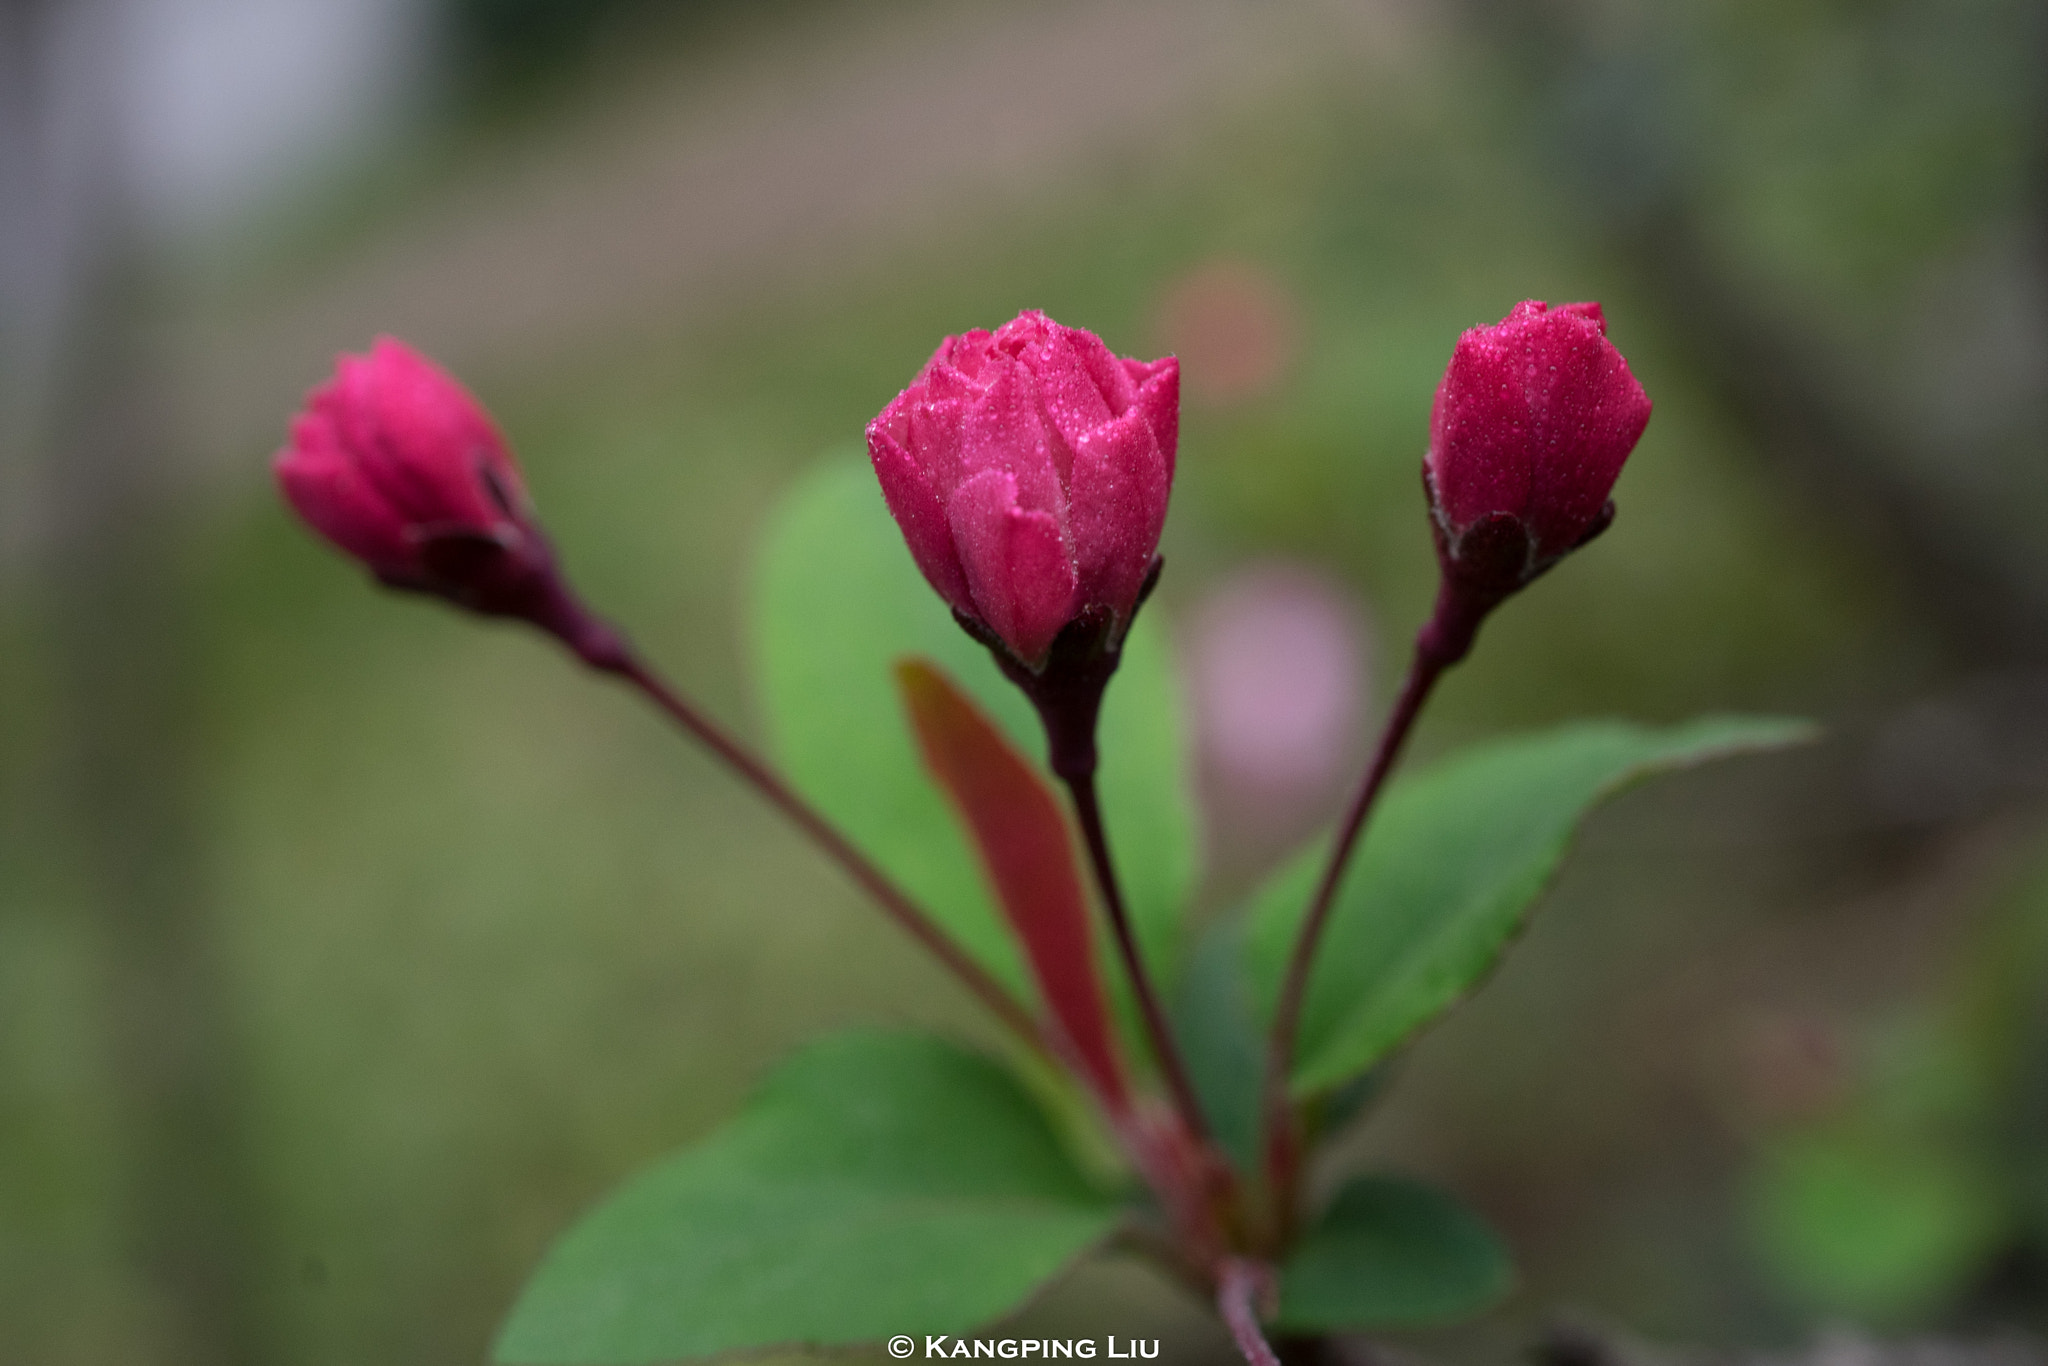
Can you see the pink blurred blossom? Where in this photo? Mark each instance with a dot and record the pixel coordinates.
(1234, 327)
(1277, 671)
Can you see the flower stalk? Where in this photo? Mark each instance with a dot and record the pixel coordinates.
(1241, 1286)
(1172, 1068)
(1281, 1145)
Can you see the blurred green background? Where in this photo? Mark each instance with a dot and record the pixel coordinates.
(349, 947)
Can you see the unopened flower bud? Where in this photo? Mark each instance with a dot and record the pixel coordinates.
(1532, 423)
(1029, 469)
(397, 465)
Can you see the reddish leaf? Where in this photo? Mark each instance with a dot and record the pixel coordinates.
(1017, 827)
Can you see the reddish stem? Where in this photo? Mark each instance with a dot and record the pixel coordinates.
(1196, 1181)
(1240, 1285)
(1156, 1028)
(1282, 1143)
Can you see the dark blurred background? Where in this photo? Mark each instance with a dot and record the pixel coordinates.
(348, 948)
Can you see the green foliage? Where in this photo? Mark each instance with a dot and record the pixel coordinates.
(1446, 872)
(1220, 1033)
(1890, 1200)
(1390, 1253)
(1864, 1224)
(838, 602)
(878, 1184)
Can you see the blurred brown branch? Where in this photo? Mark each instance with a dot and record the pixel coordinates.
(1623, 127)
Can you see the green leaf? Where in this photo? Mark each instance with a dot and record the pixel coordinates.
(1889, 1202)
(838, 602)
(1886, 1231)
(1392, 1254)
(1445, 875)
(878, 1184)
(1217, 1023)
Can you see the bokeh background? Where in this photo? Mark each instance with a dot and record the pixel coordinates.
(348, 948)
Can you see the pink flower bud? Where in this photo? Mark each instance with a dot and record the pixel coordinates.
(1533, 420)
(398, 466)
(1029, 469)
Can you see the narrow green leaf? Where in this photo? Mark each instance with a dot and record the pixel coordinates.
(1392, 1254)
(1445, 875)
(838, 602)
(878, 1184)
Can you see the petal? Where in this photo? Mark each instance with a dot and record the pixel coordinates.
(423, 441)
(932, 440)
(1589, 311)
(945, 384)
(1479, 454)
(1121, 483)
(1016, 563)
(1068, 390)
(915, 505)
(1158, 398)
(966, 353)
(1141, 371)
(1587, 413)
(1107, 373)
(328, 491)
(1003, 429)
(1021, 333)
(925, 421)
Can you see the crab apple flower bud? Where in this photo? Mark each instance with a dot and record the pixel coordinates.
(1029, 469)
(397, 465)
(1533, 421)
